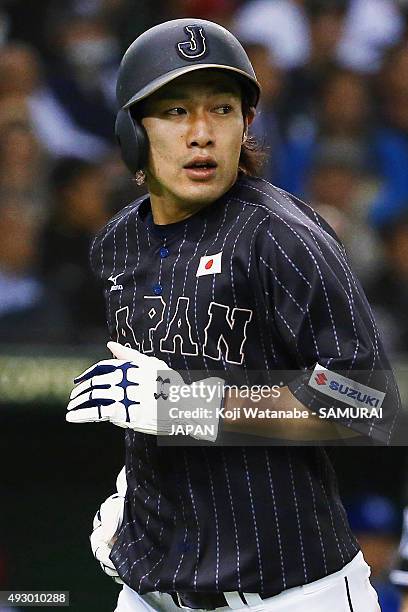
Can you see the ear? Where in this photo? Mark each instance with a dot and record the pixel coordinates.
(251, 116)
(248, 119)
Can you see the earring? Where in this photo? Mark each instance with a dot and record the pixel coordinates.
(140, 177)
(244, 138)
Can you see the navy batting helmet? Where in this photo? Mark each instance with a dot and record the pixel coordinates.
(164, 53)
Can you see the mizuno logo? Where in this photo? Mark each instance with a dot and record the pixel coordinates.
(113, 279)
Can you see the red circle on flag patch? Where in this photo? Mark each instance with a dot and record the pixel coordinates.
(209, 264)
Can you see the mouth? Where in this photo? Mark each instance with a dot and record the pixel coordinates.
(201, 168)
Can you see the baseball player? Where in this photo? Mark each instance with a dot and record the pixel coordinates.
(218, 272)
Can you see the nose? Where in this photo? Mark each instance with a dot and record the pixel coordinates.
(200, 131)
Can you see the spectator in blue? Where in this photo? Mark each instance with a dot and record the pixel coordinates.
(347, 110)
(374, 520)
(266, 127)
(82, 74)
(326, 19)
(343, 111)
(392, 135)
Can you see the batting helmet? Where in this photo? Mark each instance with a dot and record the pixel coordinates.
(164, 53)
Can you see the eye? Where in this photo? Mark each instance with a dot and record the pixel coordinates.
(224, 109)
(177, 110)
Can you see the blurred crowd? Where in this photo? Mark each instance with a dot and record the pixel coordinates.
(333, 118)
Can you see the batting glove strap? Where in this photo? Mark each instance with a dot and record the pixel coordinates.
(198, 411)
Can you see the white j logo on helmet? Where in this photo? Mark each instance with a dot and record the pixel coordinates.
(196, 46)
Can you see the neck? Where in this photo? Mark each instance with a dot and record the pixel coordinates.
(168, 208)
(165, 211)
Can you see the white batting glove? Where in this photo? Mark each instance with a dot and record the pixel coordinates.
(123, 391)
(106, 525)
(132, 391)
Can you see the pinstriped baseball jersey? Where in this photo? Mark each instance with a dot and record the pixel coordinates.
(255, 281)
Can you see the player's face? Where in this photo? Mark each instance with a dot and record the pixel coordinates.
(195, 128)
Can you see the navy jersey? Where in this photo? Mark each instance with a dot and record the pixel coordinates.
(255, 281)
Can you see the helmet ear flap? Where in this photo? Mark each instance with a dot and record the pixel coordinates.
(132, 139)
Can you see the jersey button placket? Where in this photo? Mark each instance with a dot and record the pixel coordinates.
(163, 253)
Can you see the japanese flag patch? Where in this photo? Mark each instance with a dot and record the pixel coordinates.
(209, 264)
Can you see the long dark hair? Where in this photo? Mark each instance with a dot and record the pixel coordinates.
(252, 158)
